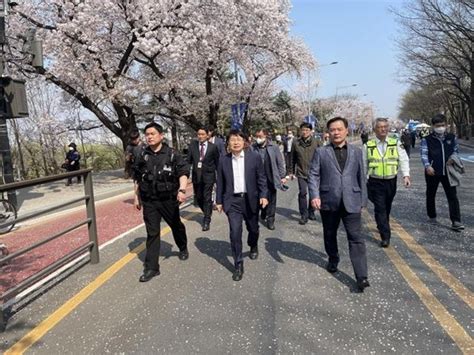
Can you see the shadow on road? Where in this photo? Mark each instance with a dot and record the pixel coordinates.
(219, 250)
(288, 213)
(166, 249)
(298, 251)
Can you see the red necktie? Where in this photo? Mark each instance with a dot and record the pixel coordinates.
(201, 153)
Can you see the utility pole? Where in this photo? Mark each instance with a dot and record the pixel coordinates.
(5, 150)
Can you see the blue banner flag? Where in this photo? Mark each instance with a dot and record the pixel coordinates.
(311, 120)
(238, 112)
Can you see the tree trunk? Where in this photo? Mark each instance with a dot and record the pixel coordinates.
(16, 133)
(213, 106)
(174, 135)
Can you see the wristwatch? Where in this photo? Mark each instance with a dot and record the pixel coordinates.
(182, 191)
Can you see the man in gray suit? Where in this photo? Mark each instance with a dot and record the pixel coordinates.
(337, 188)
(275, 172)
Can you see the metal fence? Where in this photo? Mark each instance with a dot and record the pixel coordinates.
(92, 245)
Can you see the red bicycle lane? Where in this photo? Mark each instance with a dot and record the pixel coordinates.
(114, 217)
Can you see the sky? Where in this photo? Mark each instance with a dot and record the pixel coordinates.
(360, 36)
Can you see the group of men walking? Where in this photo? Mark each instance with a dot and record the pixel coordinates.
(331, 178)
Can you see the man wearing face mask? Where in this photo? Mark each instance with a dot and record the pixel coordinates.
(275, 173)
(437, 150)
(71, 162)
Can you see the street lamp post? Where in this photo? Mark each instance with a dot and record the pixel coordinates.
(309, 86)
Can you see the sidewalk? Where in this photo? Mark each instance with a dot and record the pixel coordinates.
(466, 143)
(36, 198)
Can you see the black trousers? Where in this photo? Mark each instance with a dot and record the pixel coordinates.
(240, 211)
(382, 192)
(304, 203)
(153, 211)
(289, 163)
(432, 183)
(353, 225)
(269, 211)
(203, 193)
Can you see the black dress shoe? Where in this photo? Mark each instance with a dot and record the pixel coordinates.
(253, 253)
(205, 227)
(271, 225)
(384, 243)
(362, 283)
(312, 217)
(183, 254)
(238, 273)
(331, 267)
(148, 275)
(303, 220)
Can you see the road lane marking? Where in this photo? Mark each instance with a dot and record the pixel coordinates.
(462, 291)
(52, 320)
(459, 335)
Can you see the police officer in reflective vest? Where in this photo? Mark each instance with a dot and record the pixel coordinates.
(161, 177)
(383, 157)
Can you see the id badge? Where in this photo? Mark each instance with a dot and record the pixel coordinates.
(167, 168)
(199, 166)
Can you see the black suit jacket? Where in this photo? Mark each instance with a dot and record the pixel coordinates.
(207, 174)
(255, 180)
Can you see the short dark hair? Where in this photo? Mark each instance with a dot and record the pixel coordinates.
(335, 119)
(306, 125)
(154, 125)
(438, 118)
(236, 132)
(211, 128)
(264, 130)
(203, 128)
(134, 134)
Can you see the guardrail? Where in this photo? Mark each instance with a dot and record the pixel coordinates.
(92, 245)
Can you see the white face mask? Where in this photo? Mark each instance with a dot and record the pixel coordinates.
(440, 130)
(260, 141)
(71, 149)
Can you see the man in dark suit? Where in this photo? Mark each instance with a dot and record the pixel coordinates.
(337, 186)
(203, 156)
(241, 188)
(215, 139)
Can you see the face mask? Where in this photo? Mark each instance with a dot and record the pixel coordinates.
(260, 141)
(71, 149)
(440, 130)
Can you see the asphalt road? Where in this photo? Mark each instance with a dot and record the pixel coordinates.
(420, 299)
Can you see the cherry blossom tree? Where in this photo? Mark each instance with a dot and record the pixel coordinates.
(129, 59)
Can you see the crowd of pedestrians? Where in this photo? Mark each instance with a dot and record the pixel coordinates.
(334, 176)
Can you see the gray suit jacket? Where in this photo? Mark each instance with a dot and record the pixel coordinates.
(278, 164)
(330, 184)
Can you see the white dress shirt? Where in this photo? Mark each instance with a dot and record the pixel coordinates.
(403, 160)
(289, 144)
(238, 168)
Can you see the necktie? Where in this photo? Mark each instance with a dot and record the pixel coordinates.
(201, 152)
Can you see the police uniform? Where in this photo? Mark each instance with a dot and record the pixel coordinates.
(382, 160)
(157, 174)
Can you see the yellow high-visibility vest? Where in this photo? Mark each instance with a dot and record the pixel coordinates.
(385, 167)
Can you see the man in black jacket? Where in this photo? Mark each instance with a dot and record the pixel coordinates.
(303, 150)
(203, 156)
(161, 176)
(437, 151)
